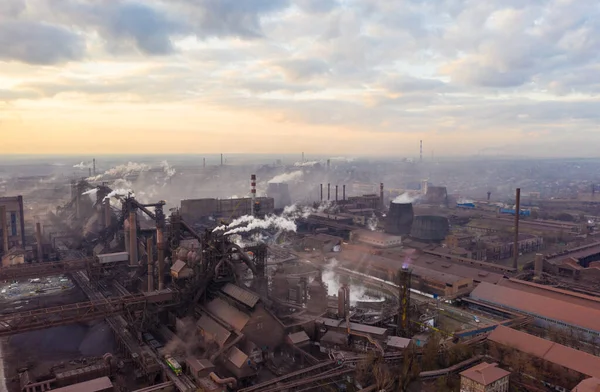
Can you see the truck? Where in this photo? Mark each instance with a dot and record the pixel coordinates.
(173, 365)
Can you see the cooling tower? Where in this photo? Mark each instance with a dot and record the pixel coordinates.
(430, 228)
(399, 219)
(281, 193)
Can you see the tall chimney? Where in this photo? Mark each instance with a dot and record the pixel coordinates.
(252, 192)
(517, 215)
(381, 195)
(221, 159)
(342, 302)
(328, 164)
(38, 238)
(321, 192)
(94, 166)
(107, 214)
(328, 191)
(150, 265)
(4, 229)
(160, 245)
(204, 162)
(538, 266)
(133, 244)
(336, 193)
(344, 192)
(489, 194)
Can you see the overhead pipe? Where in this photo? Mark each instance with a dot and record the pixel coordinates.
(517, 215)
(38, 238)
(231, 381)
(150, 265)
(133, 245)
(4, 229)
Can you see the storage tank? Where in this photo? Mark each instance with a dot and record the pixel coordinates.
(430, 228)
(399, 219)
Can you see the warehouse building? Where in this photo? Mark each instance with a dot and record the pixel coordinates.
(547, 312)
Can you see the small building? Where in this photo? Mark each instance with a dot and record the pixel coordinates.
(180, 270)
(485, 377)
(395, 343)
(377, 239)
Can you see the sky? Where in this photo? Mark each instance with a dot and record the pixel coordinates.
(355, 77)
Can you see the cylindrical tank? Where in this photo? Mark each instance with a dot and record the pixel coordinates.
(430, 228)
(399, 219)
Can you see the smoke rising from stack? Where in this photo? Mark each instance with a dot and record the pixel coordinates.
(405, 198)
(333, 282)
(287, 178)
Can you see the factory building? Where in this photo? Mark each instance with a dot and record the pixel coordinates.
(195, 209)
(556, 364)
(547, 312)
(485, 377)
(12, 222)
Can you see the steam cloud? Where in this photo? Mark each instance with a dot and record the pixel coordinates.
(332, 279)
(83, 165)
(287, 177)
(372, 223)
(405, 198)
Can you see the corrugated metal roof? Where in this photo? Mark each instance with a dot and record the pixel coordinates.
(228, 313)
(353, 326)
(213, 329)
(558, 354)
(246, 297)
(97, 384)
(237, 357)
(539, 305)
(398, 342)
(298, 337)
(485, 373)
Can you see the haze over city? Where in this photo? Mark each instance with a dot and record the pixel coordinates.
(330, 77)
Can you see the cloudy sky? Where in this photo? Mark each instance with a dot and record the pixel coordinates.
(361, 77)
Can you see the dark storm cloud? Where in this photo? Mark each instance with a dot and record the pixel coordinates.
(39, 43)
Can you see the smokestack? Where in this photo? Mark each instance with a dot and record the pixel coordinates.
(321, 192)
(336, 193)
(204, 162)
(538, 266)
(252, 192)
(344, 192)
(347, 300)
(328, 191)
(160, 245)
(94, 166)
(517, 215)
(150, 265)
(342, 302)
(38, 238)
(421, 150)
(381, 195)
(221, 159)
(133, 245)
(328, 164)
(488, 196)
(4, 229)
(107, 214)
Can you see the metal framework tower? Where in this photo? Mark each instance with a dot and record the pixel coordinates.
(404, 278)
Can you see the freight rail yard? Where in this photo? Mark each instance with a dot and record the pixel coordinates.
(312, 284)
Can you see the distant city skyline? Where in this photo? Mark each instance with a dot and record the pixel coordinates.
(328, 77)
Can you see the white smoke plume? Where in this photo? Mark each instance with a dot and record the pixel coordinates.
(121, 171)
(372, 223)
(287, 177)
(464, 201)
(91, 192)
(308, 163)
(405, 198)
(168, 169)
(83, 165)
(120, 192)
(332, 279)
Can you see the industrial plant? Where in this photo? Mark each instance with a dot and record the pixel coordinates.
(324, 275)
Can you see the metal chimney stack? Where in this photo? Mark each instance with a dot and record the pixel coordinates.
(204, 162)
(252, 192)
(336, 193)
(344, 192)
(489, 194)
(221, 159)
(38, 238)
(328, 192)
(321, 192)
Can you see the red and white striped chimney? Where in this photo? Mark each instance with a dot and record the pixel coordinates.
(252, 192)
